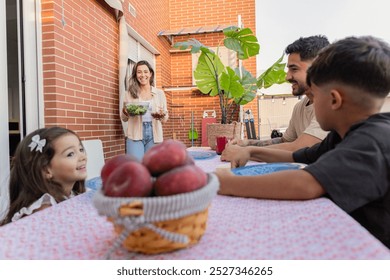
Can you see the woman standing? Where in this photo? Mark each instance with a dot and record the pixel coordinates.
(144, 130)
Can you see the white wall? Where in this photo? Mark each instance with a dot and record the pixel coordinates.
(279, 23)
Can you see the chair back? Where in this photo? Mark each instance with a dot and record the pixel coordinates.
(95, 162)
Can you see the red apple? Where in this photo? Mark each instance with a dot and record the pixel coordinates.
(180, 180)
(113, 163)
(165, 156)
(190, 160)
(130, 179)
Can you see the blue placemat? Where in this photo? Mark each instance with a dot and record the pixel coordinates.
(202, 154)
(94, 183)
(259, 169)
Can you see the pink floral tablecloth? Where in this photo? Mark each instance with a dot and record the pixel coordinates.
(238, 228)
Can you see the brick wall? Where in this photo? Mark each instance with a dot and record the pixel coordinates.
(80, 62)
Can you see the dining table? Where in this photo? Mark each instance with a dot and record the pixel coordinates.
(237, 229)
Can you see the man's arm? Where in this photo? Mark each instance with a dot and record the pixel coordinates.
(304, 140)
(239, 156)
(289, 184)
(256, 142)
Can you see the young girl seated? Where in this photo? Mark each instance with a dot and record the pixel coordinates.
(49, 166)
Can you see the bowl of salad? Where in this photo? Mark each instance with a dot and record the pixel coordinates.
(136, 108)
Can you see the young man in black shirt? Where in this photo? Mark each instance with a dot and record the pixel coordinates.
(349, 82)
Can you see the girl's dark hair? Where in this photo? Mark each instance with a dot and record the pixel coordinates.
(362, 62)
(133, 82)
(27, 178)
(308, 47)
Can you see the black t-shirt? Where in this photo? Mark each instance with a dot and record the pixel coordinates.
(355, 172)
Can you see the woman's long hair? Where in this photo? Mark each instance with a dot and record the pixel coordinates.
(133, 82)
(27, 178)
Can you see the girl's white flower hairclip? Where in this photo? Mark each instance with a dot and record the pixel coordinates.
(37, 143)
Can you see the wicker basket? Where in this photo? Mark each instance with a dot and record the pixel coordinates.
(231, 131)
(152, 225)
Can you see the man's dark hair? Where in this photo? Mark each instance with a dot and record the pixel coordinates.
(308, 47)
(362, 62)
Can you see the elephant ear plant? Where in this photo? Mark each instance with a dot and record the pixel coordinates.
(273, 75)
(233, 86)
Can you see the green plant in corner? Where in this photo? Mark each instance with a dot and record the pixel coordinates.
(233, 86)
(273, 75)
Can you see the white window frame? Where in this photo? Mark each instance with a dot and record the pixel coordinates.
(140, 49)
(32, 37)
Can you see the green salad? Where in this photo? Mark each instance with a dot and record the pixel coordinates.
(133, 109)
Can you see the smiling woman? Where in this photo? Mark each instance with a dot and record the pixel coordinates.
(49, 166)
(144, 128)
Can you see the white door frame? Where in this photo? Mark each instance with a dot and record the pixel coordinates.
(34, 113)
(4, 140)
(32, 37)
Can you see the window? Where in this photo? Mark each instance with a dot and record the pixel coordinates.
(137, 52)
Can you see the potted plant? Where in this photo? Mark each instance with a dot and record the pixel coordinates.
(234, 87)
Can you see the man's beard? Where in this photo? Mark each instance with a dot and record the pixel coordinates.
(301, 90)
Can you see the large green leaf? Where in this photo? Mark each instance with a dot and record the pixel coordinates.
(278, 77)
(208, 72)
(213, 78)
(230, 83)
(245, 98)
(242, 41)
(248, 82)
(195, 46)
(275, 74)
